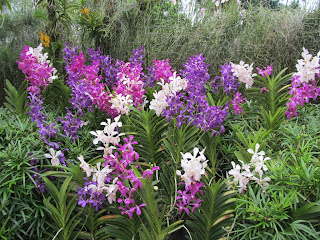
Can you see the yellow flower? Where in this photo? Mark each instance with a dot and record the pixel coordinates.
(85, 10)
(44, 39)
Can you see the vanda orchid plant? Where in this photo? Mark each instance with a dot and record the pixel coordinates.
(155, 172)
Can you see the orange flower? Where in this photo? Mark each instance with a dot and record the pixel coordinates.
(44, 39)
(85, 10)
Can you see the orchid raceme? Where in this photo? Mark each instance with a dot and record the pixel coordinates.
(242, 175)
(37, 67)
(238, 99)
(112, 180)
(193, 167)
(244, 73)
(304, 85)
(160, 101)
(308, 67)
(266, 71)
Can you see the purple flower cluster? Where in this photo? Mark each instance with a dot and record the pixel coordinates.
(75, 68)
(227, 80)
(301, 93)
(194, 167)
(238, 99)
(88, 196)
(188, 197)
(117, 180)
(131, 83)
(39, 72)
(109, 66)
(137, 56)
(35, 106)
(196, 72)
(191, 105)
(70, 125)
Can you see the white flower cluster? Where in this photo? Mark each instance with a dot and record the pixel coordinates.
(99, 176)
(193, 166)
(42, 59)
(168, 90)
(218, 2)
(120, 103)
(242, 175)
(108, 135)
(308, 67)
(244, 73)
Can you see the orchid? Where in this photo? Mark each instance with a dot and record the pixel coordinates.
(261, 181)
(194, 167)
(308, 67)
(244, 177)
(85, 166)
(54, 157)
(244, 73)
(255, 153)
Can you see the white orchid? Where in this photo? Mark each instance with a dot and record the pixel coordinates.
(54, 157)
(120, 103)
(193, 166)
(176, 84)
(101, 137)
(111, 191)
(308, 67)
(244, 73)
(261, 181)
(99, 177)
(85, 166)
(235, 172)
(255, 153)
(243, 177)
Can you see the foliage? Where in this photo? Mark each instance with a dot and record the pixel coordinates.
(16, 99)
(211, 221)
(273, 100)
(21, 209)
(62, 213)
(134, 188)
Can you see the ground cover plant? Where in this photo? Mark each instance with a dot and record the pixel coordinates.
(95, 146)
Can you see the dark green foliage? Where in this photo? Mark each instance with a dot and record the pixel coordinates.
(16, 99)
(21, 209)
(63, 213)
(148, 130)
(101, 226)
(267, 215)
(180, 140)
(154, 224)
(57, 94)
(273, 103)
(213, 219)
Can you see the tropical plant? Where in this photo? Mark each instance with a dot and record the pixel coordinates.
(16, 99)
(214, 218)
(65, 218)
(270, 93)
